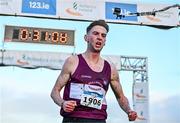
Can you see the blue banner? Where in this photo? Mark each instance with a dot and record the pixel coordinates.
(47, 7)
(123, 9)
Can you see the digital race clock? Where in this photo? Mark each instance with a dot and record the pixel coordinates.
(39, 35)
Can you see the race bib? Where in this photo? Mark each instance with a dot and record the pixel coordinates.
(92, 96)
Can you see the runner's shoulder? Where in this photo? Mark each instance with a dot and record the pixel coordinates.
(72, 59)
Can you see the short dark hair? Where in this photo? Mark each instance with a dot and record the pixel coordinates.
(97, 22)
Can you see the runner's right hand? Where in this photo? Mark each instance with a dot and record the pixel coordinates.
(69, 106)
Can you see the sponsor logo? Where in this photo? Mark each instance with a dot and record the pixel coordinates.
(74, 10)
(141, 117)
(153, 18)
(22, 61)
(125, 10)
(140, 95)
(95, 88)
(160, 16)
(47, 7)
(96, 83)
(86, 76)
(78, 9)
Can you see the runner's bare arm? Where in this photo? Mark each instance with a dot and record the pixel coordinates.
(117, 89)
(61, 82)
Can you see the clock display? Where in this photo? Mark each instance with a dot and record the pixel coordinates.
(39, 35)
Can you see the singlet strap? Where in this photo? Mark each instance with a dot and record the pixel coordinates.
(81, 60)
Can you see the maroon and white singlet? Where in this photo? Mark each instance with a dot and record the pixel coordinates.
(88, 88)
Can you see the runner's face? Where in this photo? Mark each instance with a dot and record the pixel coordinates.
(96, 38)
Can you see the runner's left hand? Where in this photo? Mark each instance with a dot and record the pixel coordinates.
(132, 115)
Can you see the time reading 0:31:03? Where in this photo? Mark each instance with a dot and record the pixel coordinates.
(38, 35)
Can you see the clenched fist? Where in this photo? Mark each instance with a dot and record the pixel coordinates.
(69, 106)
(132, 115)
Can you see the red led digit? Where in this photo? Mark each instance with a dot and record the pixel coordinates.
(63, 37)
(23, 34)
(55, 37)
(36, 35)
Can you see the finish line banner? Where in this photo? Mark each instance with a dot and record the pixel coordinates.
(36, 59)
(33, 59)
(109, 10)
